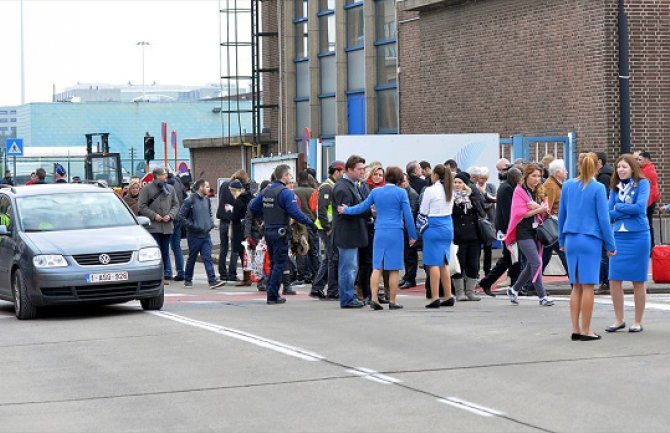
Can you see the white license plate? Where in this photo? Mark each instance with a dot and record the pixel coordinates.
(107, 277)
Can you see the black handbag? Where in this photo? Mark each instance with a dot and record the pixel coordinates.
(547, 232)
(487, 233)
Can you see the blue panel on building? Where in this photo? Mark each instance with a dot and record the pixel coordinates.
(356, 113)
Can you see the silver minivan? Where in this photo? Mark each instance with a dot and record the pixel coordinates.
(63, 244)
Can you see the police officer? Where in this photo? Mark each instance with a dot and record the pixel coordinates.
(278, 205)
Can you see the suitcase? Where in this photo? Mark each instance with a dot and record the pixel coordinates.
(660, 259)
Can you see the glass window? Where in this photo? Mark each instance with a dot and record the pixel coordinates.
(302, 117)
(385, 19)
(387, 57)
(325, 5)
(328, 116)
(356, 70)
(302, 79)
(300, 8)
(328, 75)
(355, 31)
(327, 33)
(387, 106)
(327, 157)
(301, 47)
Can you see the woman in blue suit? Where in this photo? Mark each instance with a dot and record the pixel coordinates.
(583, 227)
(392, 208)
(628, 211)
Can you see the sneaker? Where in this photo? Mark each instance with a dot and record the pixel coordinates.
(316, 294)
(277, 301)
(216, 284)
(513, 296)
(188, 283)
(166, 282)
(546, 302)
(179, 278)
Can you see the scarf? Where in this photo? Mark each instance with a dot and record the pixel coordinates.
(164, 187)
(462, 198)
(373, 185)
(625, 187)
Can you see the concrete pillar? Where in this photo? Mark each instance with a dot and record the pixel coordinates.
(314, 68)
(289, 79)
(370, 68)
(341, 67)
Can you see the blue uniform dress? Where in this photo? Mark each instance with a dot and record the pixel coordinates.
(437, 239)
(392, 206)
(583, 227)
(628, 211)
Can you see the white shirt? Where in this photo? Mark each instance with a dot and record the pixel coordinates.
(434, 203)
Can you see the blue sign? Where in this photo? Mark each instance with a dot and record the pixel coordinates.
(14, 147)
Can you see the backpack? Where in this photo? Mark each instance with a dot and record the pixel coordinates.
(314, 200)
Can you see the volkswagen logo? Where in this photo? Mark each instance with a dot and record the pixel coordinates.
(104, 259)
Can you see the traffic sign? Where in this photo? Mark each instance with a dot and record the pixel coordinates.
(183, 167)
(147, 179)
(14, 147)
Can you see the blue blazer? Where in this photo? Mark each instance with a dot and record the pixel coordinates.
(583, 210)
(632, 216)
(392, 204)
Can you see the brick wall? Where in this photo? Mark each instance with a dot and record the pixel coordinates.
(538, 66)
(270, 59)
(212, 163)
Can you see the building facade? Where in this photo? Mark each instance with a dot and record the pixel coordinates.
(103, 92)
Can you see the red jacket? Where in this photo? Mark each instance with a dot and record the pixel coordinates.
(649, 171)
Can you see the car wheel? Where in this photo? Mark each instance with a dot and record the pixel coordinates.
(155, 303)
(23, 307)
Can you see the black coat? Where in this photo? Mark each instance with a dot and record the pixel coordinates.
(605, 177)
(239, 212)
(504, 205)
(349, 231)
(225, 197)
(417, 183)
(465, 224)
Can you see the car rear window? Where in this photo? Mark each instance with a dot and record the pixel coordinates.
(72, 211)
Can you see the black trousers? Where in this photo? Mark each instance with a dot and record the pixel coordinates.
(223, 251)
(488, 255)
(650, 216)
(502, 265)
(468, 257)
(365, 267)
(411, 258)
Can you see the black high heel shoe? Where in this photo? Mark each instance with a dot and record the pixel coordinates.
(589, 338)
(375, 306)
(449, 302)
(575, 336)
(434, 304)
(393, 306)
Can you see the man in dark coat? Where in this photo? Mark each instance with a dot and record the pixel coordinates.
(349, 231)
(414, 174)
(503, 210)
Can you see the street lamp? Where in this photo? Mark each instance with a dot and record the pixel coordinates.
(142, 44)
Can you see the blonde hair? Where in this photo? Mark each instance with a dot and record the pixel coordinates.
(588, 168)
(374, 167)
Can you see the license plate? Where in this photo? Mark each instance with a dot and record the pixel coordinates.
(107, 277)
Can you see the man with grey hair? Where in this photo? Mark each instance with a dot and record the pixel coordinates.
(158, 202)
(502, 166)
(414, 174)
(552, 186)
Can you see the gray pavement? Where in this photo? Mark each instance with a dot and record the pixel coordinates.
(223, 360)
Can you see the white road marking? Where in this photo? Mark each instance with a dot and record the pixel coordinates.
(171, 295)
(470, 407)
(648, 305)
(373, 375)
(243, 336)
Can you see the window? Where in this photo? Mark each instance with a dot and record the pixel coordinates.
(387, 106)
(328, 75)
(301, 42)
(385, 19)
(325, 5)
(387, 57)
(327, 33)
(355, 70)
(302, 79)
(300, 8)
(355, 29)
(302, 117)
(328, 116)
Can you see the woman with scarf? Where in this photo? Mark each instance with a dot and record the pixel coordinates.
(627, 206)
(583, 228)
(528, 212)
(132, 197)
(466, 213)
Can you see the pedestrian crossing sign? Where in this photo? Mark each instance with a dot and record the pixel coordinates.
(14, 147)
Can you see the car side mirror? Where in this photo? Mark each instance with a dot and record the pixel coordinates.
(144, 221)
(4, 231)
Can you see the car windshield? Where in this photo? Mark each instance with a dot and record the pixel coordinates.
(72, 211)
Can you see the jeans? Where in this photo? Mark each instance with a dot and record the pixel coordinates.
(529, 249)
(163, 241)
(347, 270)
(202, 246)
(175, 243)
(224, 226)
(411, 259)
(278, 251)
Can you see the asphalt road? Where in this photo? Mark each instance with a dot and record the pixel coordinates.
(225, 361)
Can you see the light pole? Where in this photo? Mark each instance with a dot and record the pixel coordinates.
(142, 44)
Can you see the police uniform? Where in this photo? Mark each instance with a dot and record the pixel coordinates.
(277, 205)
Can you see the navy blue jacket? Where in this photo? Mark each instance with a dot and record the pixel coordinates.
(196, 215)
(287, 200)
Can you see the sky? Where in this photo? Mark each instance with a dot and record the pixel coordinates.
(94, 41)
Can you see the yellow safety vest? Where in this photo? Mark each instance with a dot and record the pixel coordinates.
(329, 213)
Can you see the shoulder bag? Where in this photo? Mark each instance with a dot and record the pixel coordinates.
(487, 233)
(547, 232)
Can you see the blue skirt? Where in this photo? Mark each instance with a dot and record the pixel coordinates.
(387, 249)
(583, 253)
(631, 262)
(437, 240)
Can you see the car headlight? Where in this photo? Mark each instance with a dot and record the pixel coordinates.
(150, 254)
(49, 261)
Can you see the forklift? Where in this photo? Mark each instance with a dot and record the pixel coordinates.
(102, 166)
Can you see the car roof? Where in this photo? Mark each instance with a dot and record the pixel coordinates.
(53, 188)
